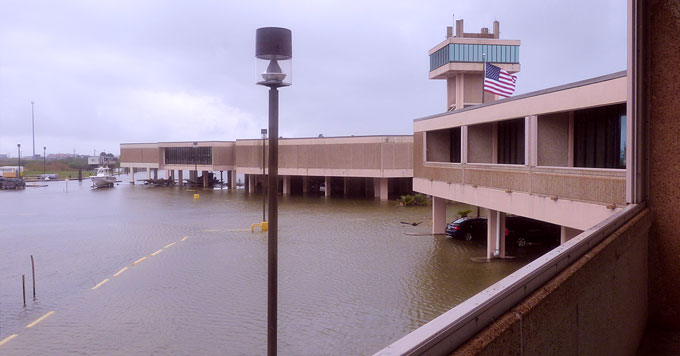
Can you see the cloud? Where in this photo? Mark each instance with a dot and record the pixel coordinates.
(102, 73)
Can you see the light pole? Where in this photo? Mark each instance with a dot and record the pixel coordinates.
(264, 186)
(195, 164)
(33, 127)
(44, 150)
(19, 164)
(273, 48)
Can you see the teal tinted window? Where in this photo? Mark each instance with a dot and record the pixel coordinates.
(461, 52)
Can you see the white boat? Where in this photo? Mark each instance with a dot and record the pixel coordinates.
(103, 178)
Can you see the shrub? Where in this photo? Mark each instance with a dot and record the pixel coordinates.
(464, 213)
(413, 200)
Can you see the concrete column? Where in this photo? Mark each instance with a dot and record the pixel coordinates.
(328, 186)
(252, 184)
(376, 187)
(384, 188)
(464, 144)
(286, 185)
(567, 233)
(155, 173)
(232, 182)
(438, 215)
(344, 186)
(205, 179)
(495, 235)
(305, 184)
(132, 175)
(180, 177)
(148, 173)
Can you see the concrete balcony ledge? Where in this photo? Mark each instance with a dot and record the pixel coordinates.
(591, 185)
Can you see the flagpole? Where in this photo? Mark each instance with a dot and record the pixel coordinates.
(483, 74)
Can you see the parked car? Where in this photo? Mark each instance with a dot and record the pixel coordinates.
(519, 231)
(467, 228)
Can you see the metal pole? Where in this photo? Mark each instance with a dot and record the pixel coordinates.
(483, 74)
(33, 128)
(264, 186)
(33, 270)
(19, 154)
(272, 265)
(44, 153)
(23, 287)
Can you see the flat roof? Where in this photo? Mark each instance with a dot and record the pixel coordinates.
(532, 94)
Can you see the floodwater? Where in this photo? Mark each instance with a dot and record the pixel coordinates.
(187, 277)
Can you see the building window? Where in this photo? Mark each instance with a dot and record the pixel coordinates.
(511, 141)
(187, 155)
(463, 52)
(443, 145)
(600, 137)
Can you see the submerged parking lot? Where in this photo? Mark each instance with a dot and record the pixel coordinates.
(141, 270)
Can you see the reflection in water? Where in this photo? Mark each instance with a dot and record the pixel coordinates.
(352, 277)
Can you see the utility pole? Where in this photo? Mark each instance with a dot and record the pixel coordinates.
(33, 125)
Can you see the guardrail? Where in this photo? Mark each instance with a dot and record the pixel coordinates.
(450, 330)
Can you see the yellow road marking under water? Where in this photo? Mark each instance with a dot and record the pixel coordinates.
(157, 252)
(246, 230)
(6, 340)
(168, 245)
(184, 238)
(209, 230)
(119, 272)
(100, 284)
(41, 319)
(139, 260)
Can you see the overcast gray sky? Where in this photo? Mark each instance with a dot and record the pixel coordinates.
(106, 72)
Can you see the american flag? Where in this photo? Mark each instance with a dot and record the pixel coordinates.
(498, 81)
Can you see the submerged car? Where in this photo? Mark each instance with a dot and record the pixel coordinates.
(467, 228)
(519, 231)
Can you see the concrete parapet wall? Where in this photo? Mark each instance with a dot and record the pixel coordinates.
(597, 306)
(379, 156)
(593, 185)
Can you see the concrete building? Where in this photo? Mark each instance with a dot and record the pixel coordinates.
(556, 155)
(375, 166)
(208, 156)
(358, 165)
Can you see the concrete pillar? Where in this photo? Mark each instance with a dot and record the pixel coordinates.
(252, 184)
(180, 176)
(376, 187)
(344, 186)
(132, 175)
(155, 173)
(305, 184)
(495, 236)
(148, 173)
(205, 179)
(438, 215)
(384, 188)
(567, 233)
(232, 182)
(328, 186)
(286, 185)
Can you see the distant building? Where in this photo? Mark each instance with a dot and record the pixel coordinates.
(101, 160)
(3, 156)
